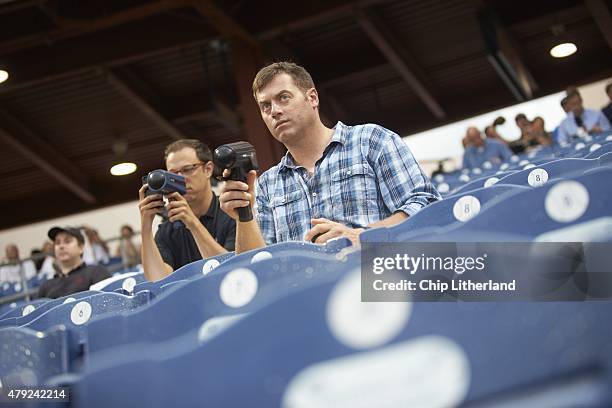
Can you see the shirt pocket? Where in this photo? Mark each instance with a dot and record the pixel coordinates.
(354, 194)
(291, 213)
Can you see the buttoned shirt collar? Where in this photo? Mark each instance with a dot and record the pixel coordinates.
(339, 136)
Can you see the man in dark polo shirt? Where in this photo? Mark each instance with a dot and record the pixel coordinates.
(204, 230)
(74, 275)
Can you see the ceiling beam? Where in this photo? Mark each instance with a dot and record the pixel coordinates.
(355, 76)
(133, 89)
(74, 28)
(318, 18)
(57, 204)
(601, 14)
(504, 54)
(16, 135)
(19, 5)
(115, 47)
(226, 116)
(185, 110)
(124, 44)
(204, 116)
(404, 63)
(223, 23)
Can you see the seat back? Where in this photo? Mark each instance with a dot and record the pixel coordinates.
(444, 213)
(302, 344)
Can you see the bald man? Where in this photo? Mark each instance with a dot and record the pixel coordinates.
(10, 271)
(480, 150)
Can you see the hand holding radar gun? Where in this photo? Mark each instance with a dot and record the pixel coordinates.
(239, 158)
(163, 182)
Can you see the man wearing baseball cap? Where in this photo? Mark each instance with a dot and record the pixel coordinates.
(74, 275)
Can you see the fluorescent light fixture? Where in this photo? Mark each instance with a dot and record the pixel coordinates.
(563, 50)
(3, 75)
(123, 169)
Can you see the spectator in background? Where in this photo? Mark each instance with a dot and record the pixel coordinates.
(439, 169)
(580, 121)
(522, 123)
(74, 275)
(48, 267)
(538, 133)
(524, 141)
(607, 110)
(564, 105)
(555, 133)
(491, 130)
(97, 250)
(127, 249)
(37, 257)
(13, 267)
(480, 150)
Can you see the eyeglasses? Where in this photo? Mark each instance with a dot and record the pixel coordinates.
(187, 170)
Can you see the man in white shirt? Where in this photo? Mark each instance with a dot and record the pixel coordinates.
(579, 121)
(13, 267)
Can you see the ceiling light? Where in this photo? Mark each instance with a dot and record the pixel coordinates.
(563, 50)
(3, 75)
(122, 166)
(123, 169)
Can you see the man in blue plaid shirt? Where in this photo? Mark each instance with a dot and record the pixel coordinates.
(332, 182)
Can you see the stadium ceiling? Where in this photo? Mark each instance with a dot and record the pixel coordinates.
(85, 74)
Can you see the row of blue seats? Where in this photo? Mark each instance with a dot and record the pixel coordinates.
(237, 345)
(598, 146)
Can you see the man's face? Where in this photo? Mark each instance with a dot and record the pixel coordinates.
(48, 248)
(574, 104)
(286, 109)
(473, 137)
(537, 126)
(68, 249)
(11, 252)
(126, 232)
(197, 174)
(522, 123)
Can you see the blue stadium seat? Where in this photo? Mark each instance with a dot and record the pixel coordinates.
(605, 159)
(75, 315)
(555, 205)
(8, 307)
(553, 170)
(73, 319)
(190, 271)
(43, 307)
(186, 307)
(481, 182)
(28, 357)
(322, 345)
(126, 281)
(22, 308)
(444, 213)
(596, 152)
(206, 267)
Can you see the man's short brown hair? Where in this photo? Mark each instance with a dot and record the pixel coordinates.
(301, 77)
(202, 151)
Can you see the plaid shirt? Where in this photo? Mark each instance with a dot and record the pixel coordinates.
(366, 174)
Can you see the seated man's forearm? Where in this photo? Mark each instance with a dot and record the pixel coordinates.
(248, 236)
(207, 245)
(391, 220)
(153, 265)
